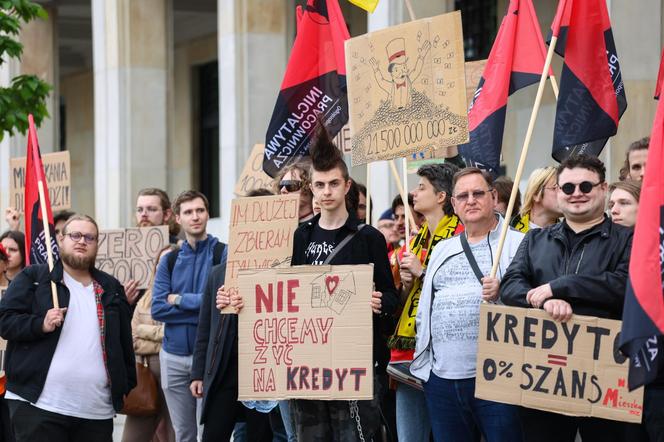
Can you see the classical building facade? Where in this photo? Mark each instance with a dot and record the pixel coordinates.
(174, 93)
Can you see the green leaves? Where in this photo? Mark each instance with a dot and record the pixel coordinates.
(27, 93)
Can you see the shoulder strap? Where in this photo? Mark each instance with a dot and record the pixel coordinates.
(171, 258)
(471, 257)
(218, 253)
(343, 242)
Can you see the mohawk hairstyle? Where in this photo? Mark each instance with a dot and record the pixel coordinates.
(325, 155)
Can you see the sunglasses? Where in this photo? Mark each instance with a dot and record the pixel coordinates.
(291, 185)
(584, 187)
(476, 194)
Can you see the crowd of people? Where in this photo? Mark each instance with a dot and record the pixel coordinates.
(69, 368)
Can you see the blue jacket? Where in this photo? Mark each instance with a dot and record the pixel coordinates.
(189, 277)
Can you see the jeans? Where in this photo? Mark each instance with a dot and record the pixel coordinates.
(456, 415)
(182, 406)
(412, 414)
(284, 409)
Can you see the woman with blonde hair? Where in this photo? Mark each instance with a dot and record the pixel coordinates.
(148, 334)
(540, 204)
(624, 202)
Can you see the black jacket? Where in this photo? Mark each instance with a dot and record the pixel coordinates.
(591, 276)
(30, 350)
(367, 246)
(215, 351)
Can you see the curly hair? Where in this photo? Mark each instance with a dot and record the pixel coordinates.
(641, 144)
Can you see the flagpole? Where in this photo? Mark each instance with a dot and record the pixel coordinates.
(524, 153)
(367, 215)
(47, 235)
(404, 194)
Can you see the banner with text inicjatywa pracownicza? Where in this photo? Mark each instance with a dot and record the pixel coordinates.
(306, 332)
(526, 358)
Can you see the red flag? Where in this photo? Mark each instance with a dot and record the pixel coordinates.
(592, 94)
(516, 61)
(660, 77)
(314, 86)
(643, 315)
(35, 239)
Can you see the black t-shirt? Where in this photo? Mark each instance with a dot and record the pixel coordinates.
(321, 244)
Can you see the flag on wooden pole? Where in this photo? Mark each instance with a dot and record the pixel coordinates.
(592, 94)
(516, 61)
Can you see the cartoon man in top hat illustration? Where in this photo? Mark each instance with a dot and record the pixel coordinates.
(399, 87)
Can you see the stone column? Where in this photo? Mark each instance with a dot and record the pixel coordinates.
(252, 60)
(130, 58)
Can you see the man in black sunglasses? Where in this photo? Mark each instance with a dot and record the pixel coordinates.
(578, 266)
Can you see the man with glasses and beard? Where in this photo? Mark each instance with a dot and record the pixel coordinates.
(578, 266)
(68, 368)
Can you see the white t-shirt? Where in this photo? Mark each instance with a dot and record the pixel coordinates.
(455, 314)
(77, 384)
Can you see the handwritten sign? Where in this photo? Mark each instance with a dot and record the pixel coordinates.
(57, 167)
(342, 140)
(406, 89)
(252, 176)
(261, 235)
(306, 332)
(574, 368)
(474, 70)
(131, 253)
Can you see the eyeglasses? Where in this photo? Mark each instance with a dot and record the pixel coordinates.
(291, 185)
(76, 237)
(151, 209)
(477, 194)
(584, 187)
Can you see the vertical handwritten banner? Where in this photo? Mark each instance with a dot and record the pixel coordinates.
(526, 358)
(131, 253)
(306, 332)
(407, 89)
(57, 168)
(261, 235)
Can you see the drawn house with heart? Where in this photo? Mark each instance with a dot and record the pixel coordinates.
(332, 291)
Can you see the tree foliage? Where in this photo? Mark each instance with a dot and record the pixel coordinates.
(27, 93)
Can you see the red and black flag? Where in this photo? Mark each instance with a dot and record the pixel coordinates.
(592, 94)
(643, 314)
(314, 86)
(660, 77)
(516, 61)
(35, 239)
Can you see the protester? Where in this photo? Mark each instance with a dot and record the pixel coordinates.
(386, 226)
(455, 284)
(14, 243)
(578, 266)
(147, 336)
(153, 208)
(431, 198)
(503, 186)
(176, 300)
(362, 204)
(635, 160)
(540, 204)
(314, 244)
(294, 178)
(5, 424)
(624, 202)
(59, 220)
(68, 368)
(353, 198)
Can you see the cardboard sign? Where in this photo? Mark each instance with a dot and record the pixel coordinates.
(131, 253)
(406, 89)
(252, 176)
(57, 167)
(526, 358)
(306, 332)
(342, 140)
(261, 235)
(474, 70)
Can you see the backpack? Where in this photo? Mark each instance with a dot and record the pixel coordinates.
(216, 256)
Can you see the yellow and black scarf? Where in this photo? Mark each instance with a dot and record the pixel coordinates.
(404, 338)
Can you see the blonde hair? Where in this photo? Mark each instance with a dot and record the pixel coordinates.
(630, 186)
(535, 187)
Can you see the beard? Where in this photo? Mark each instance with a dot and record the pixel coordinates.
(77, 262)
